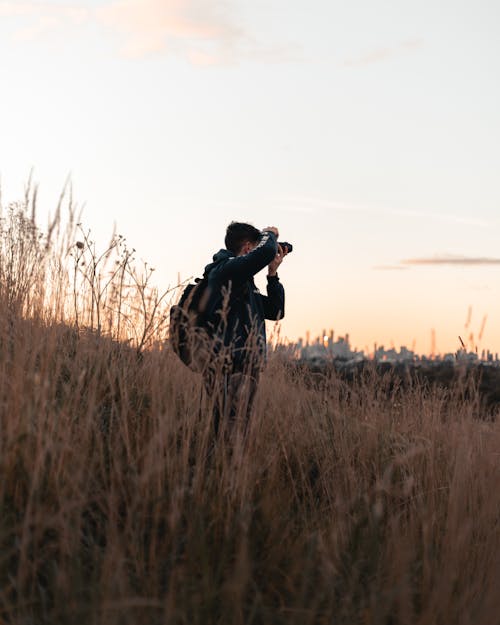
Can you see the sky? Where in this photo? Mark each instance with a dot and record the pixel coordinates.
(367, 131)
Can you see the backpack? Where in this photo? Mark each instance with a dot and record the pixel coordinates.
(189, 331)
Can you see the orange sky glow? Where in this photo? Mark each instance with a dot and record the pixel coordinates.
(369, 137)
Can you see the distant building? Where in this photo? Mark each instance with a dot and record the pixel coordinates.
(325, 348)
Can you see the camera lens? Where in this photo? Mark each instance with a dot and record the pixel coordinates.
(287, 247)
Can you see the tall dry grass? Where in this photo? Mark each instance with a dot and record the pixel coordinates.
(350, 503)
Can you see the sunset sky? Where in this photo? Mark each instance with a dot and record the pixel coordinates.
(367, 131)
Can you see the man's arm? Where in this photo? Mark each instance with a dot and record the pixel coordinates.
(274, 301)
(242, 268)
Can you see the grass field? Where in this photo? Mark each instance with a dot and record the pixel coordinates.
(352, 502)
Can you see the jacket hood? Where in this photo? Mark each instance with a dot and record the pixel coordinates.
(220, 256)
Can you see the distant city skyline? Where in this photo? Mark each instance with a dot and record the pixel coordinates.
(368, 132)
(325, 347)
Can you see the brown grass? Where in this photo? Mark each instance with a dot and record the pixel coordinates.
(351, 503)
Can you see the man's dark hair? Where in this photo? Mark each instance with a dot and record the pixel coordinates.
(237, 234)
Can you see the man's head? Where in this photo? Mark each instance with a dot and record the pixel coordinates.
(241, 238)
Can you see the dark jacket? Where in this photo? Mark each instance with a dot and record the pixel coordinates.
(231, 286)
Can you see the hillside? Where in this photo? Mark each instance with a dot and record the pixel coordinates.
(362, 500)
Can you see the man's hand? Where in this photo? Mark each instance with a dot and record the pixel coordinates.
(278, 259)
(272, 229)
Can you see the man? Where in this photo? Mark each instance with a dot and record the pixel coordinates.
(237, 312)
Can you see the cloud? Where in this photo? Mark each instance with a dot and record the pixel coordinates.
(452, 260)
(411, 43)
(382, 54)
(41, 11)
(36, 19)
(202, 30)
(205, 32)
(319, 206)
(443, 217)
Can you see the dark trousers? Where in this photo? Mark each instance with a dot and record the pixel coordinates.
(232, 396)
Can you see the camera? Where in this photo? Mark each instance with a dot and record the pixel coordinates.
(286, 247)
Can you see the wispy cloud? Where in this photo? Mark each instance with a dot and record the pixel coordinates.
(35, 19)
(320, 206)
(382, 54)
(53, 10)
(205, 32)
(443, 217)
(202, 30)
(452, 260)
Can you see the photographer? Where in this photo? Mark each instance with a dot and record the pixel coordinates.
(237, 311)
